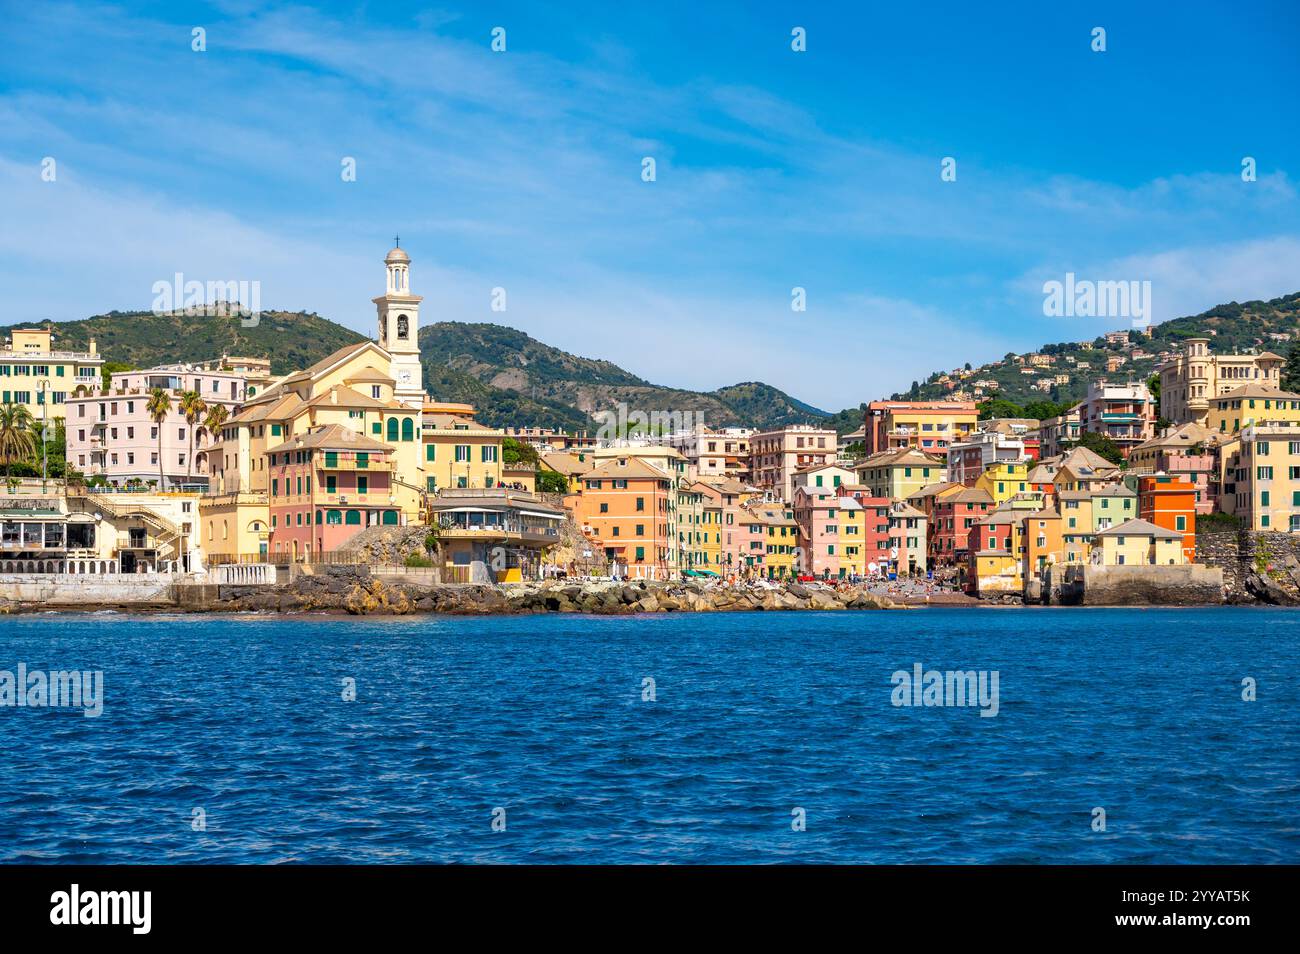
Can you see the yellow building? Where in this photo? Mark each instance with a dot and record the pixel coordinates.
(1080, 468)
(36, 376)
(1261, 479)
(458, 451)
(1077, 526)
(1003, 480)
(235, 527)
(365, 388)
(851, 518)
(1251, 404)
(778, 532)
(711, 516)
(1139, 543)
(899, 474)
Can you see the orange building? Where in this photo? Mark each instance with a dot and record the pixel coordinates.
(625, 507)
(1170, 503)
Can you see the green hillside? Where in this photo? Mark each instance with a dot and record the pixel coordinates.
(548, 380)
(292, 340)
(1234, 327)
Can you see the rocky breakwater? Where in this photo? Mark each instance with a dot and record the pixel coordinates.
(643, 597)
(353, 589)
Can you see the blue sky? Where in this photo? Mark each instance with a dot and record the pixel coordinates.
(775, 169)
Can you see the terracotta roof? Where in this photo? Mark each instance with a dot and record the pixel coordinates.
(566, 464)
(1257, 391)
(1139, 528)
(634, 467)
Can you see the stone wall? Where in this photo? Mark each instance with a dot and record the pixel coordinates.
(1088, 585)
(1257, 566)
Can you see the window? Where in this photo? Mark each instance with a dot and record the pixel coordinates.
(363, 484)
(1180, 523)
(392, 429)
(408, 429)
(429, 451)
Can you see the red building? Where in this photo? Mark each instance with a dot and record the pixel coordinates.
(1170, 503)
(953, 519)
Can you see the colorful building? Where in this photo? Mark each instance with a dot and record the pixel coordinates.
(1250, 404)
(1169, 502)
(327, 484)
(1138, 543)
(624, 508)
(775, 456)
(951, 522)
(458, 451)
(1190, 381)
(899, 474)
(36, 376)
(930, 427)
(1003, 480)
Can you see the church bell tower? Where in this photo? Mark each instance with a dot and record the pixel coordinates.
(399, 327)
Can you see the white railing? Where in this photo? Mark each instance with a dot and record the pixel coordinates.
(243, 574)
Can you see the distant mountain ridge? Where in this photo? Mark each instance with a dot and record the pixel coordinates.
(509, 360)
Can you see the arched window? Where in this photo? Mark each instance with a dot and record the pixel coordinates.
(353, 518)
(408, 429)
(392, 429)
(390, 518)
(403, 327)
(333, 517)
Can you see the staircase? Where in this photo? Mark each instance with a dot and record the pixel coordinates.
(165, 532)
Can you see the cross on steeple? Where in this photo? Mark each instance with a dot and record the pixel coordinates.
(398, 240)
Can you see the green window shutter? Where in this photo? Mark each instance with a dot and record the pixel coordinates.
(353, 518)
(59, 371)
(392, 429)
(408, 429)
(429, 451)
(331, 458)
(377, 429)
(363, 460)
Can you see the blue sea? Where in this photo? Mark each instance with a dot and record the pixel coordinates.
(658, 739)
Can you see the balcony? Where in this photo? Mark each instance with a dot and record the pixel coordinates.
(353, 464)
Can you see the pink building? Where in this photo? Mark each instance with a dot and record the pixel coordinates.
(324, 486)
(814, 512)
(111, 434)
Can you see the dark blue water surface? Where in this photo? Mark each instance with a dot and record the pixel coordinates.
(1138, 712)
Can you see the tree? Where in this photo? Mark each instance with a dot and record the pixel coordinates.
(16, 442)
(999, 407)
(551, 482)
(158, 407)
(1101, 445)
(514, 452)
(193, 407)
(110, 368)
(1291, 370)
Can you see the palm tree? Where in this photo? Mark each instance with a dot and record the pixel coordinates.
(213, 423)
(15, 435)
(159, 406)
(193, 406)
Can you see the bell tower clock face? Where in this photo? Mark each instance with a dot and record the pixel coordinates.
(404, 377)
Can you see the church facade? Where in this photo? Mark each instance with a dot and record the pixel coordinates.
(324, 452)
